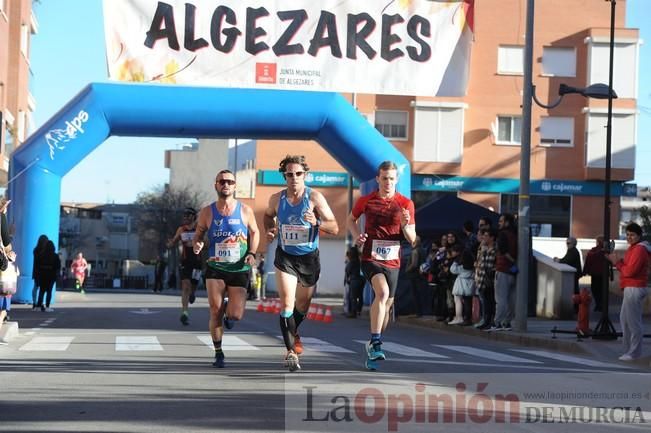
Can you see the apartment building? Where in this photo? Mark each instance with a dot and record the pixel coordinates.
(17, 25)
(470, 146)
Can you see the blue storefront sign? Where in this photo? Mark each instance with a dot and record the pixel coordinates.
(422, 182)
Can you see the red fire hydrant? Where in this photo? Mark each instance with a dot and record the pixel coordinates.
(583, 299)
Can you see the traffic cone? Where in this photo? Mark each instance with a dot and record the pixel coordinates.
(311, 312)
(319, 313)
(277, 306)
(268, 306)
(328, 315)
(260, 308)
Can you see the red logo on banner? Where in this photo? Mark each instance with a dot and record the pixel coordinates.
(265, 73)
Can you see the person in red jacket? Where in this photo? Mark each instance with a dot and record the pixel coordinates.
(633, 279)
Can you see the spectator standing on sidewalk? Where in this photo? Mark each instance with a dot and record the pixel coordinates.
(355, 282)
(595, 265)
(10, 256)
(48, 270)
(485, 278)
(505, 272)
(633, 279)
(572, 258)
(39, 249)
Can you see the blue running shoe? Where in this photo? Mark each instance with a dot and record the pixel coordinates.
(219, 360)
(370, 364)
(374, 351)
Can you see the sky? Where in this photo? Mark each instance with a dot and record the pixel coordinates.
(69, 52)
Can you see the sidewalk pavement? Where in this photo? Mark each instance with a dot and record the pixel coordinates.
(539, 335)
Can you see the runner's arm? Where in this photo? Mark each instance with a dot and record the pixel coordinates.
(408, 225)
(175, 240)
(269, 218)
(328, 222)
(254, 235)
(200, 230)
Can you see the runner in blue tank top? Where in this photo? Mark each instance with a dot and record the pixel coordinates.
(295, 215)
(233, 239)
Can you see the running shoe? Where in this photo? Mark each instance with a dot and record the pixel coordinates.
(291, 361)
(298, 344)
(374, 351)
(192, 298)
(370, 364)
(184, 319)
(219, 360)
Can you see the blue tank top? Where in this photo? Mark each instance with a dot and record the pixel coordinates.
(228, 241)
(297, 236)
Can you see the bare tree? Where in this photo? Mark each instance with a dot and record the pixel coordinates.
(160, 215)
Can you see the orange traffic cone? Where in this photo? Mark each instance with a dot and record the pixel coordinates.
(268, 306)
(277, 306)
(319, 313)
(311, 312)
(328, 315)
(261, 305)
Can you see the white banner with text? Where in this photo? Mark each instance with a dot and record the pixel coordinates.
(401, 47)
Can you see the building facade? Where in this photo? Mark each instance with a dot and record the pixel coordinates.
(17, 25)
(470, 146)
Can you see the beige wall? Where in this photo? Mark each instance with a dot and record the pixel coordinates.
(14, 69)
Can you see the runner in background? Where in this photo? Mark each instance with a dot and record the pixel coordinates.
(190, 266)
(78, 269)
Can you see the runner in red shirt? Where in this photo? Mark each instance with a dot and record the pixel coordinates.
(389, 219)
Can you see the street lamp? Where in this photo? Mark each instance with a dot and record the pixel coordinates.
(604, 328)
(595, 91)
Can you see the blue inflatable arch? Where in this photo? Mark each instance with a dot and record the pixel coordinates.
(102, 110)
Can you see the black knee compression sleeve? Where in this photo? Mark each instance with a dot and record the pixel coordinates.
(288, 328)
(298, 317)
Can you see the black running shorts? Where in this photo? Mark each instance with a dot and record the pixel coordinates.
(369, 269)
(306, 268)
(231, 279)
(190, 271)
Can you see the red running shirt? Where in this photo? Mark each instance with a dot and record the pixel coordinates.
(382, 226)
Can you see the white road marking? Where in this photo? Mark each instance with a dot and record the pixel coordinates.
(47, 343)
(136, 343)
(312, 344)
(409, 351)
(569, 358)
(229, 343)
(488, 354)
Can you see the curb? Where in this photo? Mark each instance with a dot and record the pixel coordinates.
(520, 339)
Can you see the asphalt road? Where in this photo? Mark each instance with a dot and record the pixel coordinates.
(122, 362)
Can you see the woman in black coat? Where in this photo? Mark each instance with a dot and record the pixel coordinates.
(48, 269)
(38, 252)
